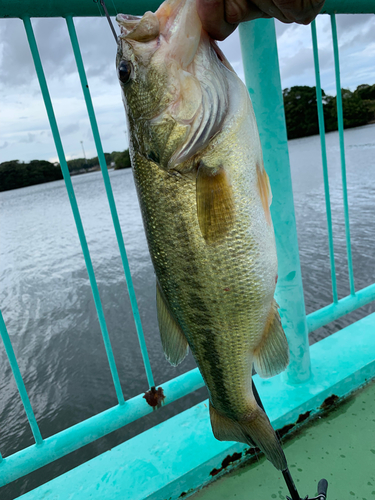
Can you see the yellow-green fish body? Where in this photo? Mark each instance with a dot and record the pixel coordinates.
(205, 197)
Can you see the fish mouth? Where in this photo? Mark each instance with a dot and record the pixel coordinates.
(148, 27)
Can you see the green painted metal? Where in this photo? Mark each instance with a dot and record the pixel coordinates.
(87, 431)
(82, 8)
(344, 306)
(259, 52)
(324, 160)
(111, 201)
(91, 8)
(179, 456)
(342, 152)
(19, 382)
(73, 203)
(348, 7)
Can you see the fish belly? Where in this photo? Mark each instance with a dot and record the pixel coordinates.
(220, 295)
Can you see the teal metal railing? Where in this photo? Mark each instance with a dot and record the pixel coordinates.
(257, 38)
(324, 161)
(362, 297)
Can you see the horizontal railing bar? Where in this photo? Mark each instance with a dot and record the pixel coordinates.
(111, 201)
(74, 206)
(324, 160)
(32, 458)
(344, 306)
(19, 382)
(348, 7)
(63, 8)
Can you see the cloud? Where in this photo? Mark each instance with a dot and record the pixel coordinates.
(4, 145)
(28, 138)
(53, 41)
(297, 65)
(70, 128)
(356, 48)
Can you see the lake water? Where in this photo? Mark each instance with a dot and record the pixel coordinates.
(49, 311)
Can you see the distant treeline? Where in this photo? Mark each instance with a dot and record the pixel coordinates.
(301, 120)
(302, 116)
(15, 174)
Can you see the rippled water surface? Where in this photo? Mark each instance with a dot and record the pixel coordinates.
(49, 311)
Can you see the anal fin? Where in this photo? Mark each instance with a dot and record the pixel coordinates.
(173, 340)
(215, 204)
(272, 354)
(254, 430)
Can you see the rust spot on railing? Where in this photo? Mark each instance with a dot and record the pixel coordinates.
(303, 417)
(155, 397)
(227, 461)
(284, 430)
(329, 402)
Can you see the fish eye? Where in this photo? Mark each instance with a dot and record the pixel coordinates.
(124, 71)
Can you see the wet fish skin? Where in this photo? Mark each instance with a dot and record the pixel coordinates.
(204, 197)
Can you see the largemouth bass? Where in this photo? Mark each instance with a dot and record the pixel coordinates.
(205, 198)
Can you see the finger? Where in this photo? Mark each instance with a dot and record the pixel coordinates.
(237, 11)
(212, 16)
(300, 11)
(291, 11)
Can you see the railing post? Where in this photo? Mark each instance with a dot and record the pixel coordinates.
(261, 66)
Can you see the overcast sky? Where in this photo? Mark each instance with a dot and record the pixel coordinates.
(24, 128)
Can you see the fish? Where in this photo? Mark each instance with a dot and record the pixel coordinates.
(205, 200)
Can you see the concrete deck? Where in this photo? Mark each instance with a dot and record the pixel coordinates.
(339, 447)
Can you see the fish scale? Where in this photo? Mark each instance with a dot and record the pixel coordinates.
(214, 269)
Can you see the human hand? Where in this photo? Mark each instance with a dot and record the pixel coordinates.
(221, 17)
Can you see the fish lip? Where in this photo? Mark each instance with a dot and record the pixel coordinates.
(127, 23)
(140, 29)
(127, 17)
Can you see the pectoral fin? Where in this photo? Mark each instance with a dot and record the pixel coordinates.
(272, 355)
(172, 338)
(264, 192)
(215, 204)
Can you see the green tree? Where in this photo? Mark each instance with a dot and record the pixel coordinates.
(355, 112)
(122, 160)
(300, 111)
(14, 174)
(366, 92)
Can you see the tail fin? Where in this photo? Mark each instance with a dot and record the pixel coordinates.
(254, 430)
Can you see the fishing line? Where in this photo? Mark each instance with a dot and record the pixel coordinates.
(102, 3)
